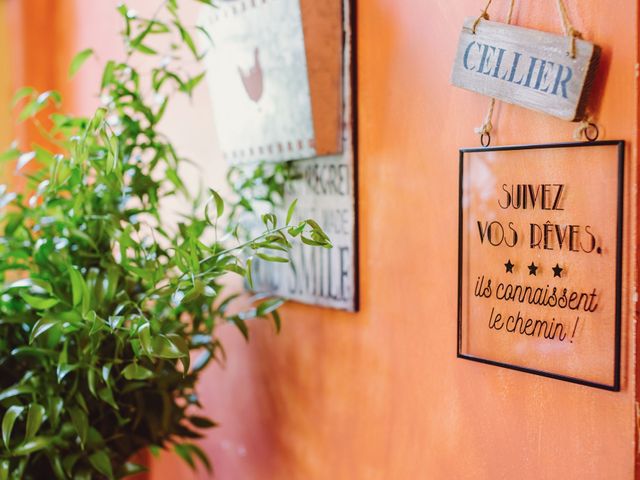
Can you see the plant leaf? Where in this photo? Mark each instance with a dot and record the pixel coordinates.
(78, 286)
(292, 208)
(35, 417)
(21, 93)
(218, 201)
(10, 416)
(10, 154)
(41, 326)
(144, 335)
(79, 60)
(249, 273)
(24, 159)
(107, 75)
(242, 326)
(101, 462)
(134, 371)
(202, 457)
(185, 453)
(39, 303)
(165, 348)
(80, 422)
(268, 306)
(182, 346)
(144, 49)
(186, 36)
(27, 448)
(276, 320)
(272, 258)
(202, 422)
(34, 285)
(15, 391)
(131, 468)
(205, 34)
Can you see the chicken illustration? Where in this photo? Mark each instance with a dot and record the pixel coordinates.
(252, 80)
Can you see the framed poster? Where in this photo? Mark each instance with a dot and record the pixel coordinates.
(274, 76)
(325, 187)
(301, 117)
(324, 190)
(540, 259)
(258, 80)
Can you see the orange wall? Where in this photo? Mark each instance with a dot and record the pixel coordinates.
(5, 81)
(380, 394)
(35, 37)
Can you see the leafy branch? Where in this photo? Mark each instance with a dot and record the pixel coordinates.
(102, 303)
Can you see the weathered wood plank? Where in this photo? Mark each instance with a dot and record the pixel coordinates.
(525, 67)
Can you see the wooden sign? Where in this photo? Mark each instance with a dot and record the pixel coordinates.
(526, 67)
(540, 255)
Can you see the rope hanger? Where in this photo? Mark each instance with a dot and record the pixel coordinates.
(589, 129)
(567, 26)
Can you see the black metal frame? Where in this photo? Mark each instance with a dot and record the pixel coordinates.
(615, 386)
(353, 10)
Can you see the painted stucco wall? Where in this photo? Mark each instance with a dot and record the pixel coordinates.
(380, 394)
(6, 84)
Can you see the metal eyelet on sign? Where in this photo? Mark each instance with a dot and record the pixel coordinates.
(592, 132)
(485, 139)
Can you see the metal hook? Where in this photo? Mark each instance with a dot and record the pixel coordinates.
(591, 127)
(485, 139)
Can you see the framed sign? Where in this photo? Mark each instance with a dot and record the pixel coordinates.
(274, 76)
(327, 277)
(540, 259)
(258, 80)
(325, 186)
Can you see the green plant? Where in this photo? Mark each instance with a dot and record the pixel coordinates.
(256, 188)
(102, 302)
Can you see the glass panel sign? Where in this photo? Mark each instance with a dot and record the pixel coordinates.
(540, 259)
